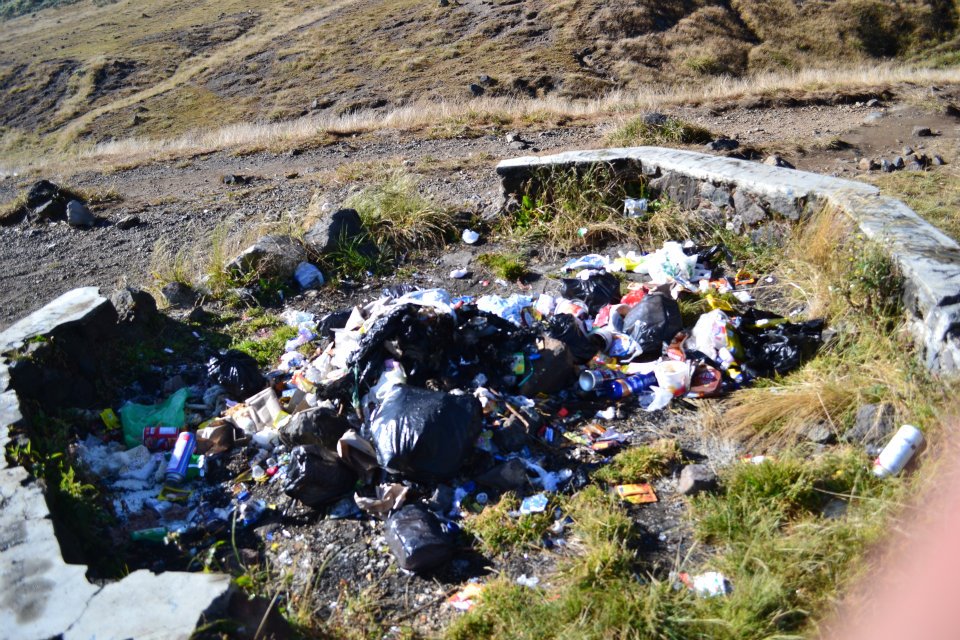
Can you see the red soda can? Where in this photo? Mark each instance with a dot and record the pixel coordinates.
(160, 438)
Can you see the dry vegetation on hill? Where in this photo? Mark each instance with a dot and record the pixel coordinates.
(94, 73)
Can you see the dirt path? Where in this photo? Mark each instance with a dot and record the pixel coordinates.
(181, 202)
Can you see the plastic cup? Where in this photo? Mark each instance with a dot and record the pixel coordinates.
(673, 376)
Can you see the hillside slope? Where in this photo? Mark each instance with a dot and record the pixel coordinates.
(159, 68)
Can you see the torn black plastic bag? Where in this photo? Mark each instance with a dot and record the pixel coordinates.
(653, 321)
(563, 327)
(316, 476)
(424, 434)
(598, 290)
(781, 348)
(414, 536)
(238, 373)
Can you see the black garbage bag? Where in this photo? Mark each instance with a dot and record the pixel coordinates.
(653, 321)
(563, 327)
(238, 373)
(781, 348)
(331, 321)
(599, 290)
(317, 476)
(414, 536)
(424, 434)
(319, 425)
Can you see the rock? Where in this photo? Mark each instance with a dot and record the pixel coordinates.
(236, 179)
(776, 161)
(333, 228)
(520, 145)
(199, 315)
(746, 206)
(476, 90)
(128, 222)
(50, 210)
(907, 150)
(511, 436)
(921, 132)
(179, 295)
(821, 433)
(271, 257)
(696, 478)
(320, 425)
(508, 476)
(512, 136)
(898, 163)
(655, 119)
(553, 371)
(42, 191)
(916, 165)
(136, 120)
(78, 215)
(866, 164)
(938, 160)
(485, 80)
(722, 144)
(444, 3)
(315, 104)
(133, 305)
(178, 602)
(887, 166)
(835, 508)
(873, 426)
(873, 102)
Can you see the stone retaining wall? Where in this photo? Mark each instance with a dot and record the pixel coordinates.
(759, 199)
(41, 594)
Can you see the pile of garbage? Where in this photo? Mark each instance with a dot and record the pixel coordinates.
(421, 405)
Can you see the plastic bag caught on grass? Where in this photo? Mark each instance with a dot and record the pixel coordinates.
(422, 433)
(781, 348)
(136, 417)
(414, 536)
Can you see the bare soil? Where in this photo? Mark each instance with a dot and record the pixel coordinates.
(184, 200)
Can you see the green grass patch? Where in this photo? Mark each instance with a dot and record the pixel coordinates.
(642, 463)
(572, 209)
(509, 266)
(934, 195)
(268, 348)
(498, 531)
(636, 132)
(399, 217)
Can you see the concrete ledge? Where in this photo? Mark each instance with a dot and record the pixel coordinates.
(41, 595)
(755, 198)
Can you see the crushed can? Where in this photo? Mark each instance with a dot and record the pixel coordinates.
(160, 438)
(180, 458)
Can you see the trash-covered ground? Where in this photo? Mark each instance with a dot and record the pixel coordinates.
(362, 462)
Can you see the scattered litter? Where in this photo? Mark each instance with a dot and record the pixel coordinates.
(458, 274)
(467, 597)
(528, 581)
(707, 585)
(636, 493)
(470, 236)
(895, 456)
(534, 504)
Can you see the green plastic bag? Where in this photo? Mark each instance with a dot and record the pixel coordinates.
(169, 413)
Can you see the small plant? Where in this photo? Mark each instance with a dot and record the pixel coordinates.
(671, 131)
(498, 531)
(510, 267)
(355, 258)
(267, 350)
(573, 208)
(642, 463)
(399, 217)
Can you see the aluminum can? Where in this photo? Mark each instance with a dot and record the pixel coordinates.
(895, 456)
(160, 438)
(629, 386)
(180, 458)
(592, 378)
